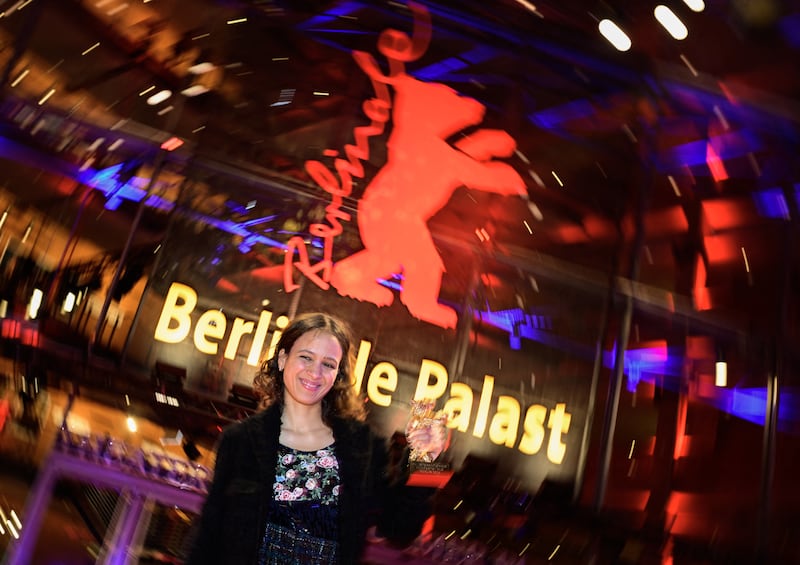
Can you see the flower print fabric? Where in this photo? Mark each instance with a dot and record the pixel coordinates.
(306, 475)
(303, 516)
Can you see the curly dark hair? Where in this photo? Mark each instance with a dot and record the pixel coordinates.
(342, 401)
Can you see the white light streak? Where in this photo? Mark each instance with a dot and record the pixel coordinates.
(695, 5)
(614, 34)
(90, 49)
(674, 184)
(689, 65)
(47, 96)
(159, 97)
(671, 22)
(530, 7)
(21, 76)
(721, 374)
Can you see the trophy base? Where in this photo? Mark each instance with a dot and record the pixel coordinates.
(429, 474)
(429, 467)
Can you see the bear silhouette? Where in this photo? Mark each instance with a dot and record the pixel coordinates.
(421, 173)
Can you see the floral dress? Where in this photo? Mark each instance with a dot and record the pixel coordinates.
(303, 514)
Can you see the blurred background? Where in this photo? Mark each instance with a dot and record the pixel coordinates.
(622, 373)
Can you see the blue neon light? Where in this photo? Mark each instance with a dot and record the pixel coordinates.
(772, 203)
(551, 118)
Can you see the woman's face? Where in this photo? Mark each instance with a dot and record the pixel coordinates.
(310, 368)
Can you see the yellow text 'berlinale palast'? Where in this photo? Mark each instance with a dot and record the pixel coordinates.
(211, 332)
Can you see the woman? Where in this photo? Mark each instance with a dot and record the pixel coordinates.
(298, 481)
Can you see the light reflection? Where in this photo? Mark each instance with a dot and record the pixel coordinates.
(695, 5)
(670, 22)
(47, 96)
(159, 97)
(721, 375)
(21, 76)
(614, 34)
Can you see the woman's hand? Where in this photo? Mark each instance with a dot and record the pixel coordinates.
(428, 438)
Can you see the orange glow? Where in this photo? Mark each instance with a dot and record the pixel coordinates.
(666, 222)
(430, 480)
(171, 144)
(11, 329)
(722, 249)
(629, 499)
(598, 228)
(227, 286)
(702, 298)
(715, 164)
(30, 336)
(729, 213)
(570, 234)
(66, 186)
(680, 426)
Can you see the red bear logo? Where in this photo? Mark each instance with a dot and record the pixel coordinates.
(419, 177)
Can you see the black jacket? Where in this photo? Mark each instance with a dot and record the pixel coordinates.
(233, 520)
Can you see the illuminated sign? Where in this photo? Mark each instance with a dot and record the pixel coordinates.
(503, 419)
(421, 173)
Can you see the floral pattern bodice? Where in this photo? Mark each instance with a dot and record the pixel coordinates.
(307, 475)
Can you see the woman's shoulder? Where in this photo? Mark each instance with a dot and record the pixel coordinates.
(269, 417)
(356, 434)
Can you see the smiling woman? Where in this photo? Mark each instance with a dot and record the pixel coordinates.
(297, 482)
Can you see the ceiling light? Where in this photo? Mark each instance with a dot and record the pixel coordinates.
(21, 76)
(614, 34)
(47, 96)
(237, 21)
(159, 97)
(721, 374)
(695, 5)
(117, 9)
(95, 144)
(194, 90)
(201, 68)
(671, 22)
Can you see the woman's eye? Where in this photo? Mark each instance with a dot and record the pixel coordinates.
(305, 357)
(331, 366)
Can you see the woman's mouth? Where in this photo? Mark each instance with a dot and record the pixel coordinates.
(310, 385)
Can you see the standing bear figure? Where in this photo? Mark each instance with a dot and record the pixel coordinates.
(420, 175)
